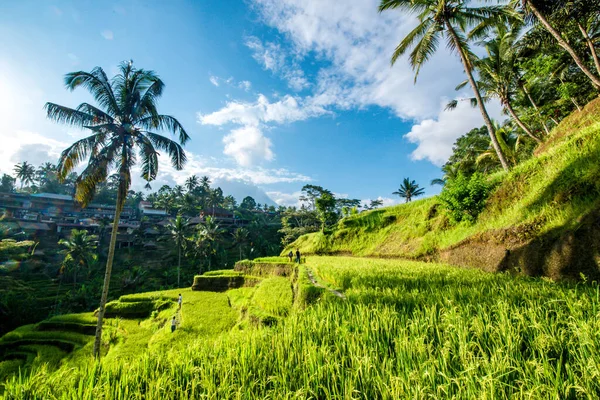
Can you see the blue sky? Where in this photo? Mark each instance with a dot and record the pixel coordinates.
(274, 93)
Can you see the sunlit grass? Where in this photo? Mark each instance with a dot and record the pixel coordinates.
(406, 330)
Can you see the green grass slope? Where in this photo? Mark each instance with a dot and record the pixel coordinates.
(406, 330)
(541, 218)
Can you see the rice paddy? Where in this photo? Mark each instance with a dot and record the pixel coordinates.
(406, 330)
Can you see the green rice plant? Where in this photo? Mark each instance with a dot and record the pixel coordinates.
(406, 330)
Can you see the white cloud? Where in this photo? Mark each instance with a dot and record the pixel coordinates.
(286, 199)
(27, 146)
(247, 145)
(273, 58)
(214, 80)
(246, 85)
(107, 34)
(288, 109)
(435, 137)
(358, 41)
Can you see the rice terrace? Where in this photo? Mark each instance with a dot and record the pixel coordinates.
(380, 199)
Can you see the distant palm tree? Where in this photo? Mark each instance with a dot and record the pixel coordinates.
(240, 236)
(191, 183)
(449, 18)
(375, 203)
(80, 251)
(177, 230)
(122, 134)
(25, 173)
(451, 171)
(409, 189)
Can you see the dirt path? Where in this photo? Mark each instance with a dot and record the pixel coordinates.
(317, 284)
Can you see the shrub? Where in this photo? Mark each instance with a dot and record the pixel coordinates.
(464, 198)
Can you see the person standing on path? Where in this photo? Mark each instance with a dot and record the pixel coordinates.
(291, 255)
(180, 301)
(173, 324)
(298, 256)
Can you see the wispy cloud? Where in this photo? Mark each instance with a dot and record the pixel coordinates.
(273, 58)
(214, 80)
(107, 34)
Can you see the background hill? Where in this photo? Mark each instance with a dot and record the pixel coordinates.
(541, 218)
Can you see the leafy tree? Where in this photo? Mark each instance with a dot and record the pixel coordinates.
(177, 230)
(7, 183)
(325, 206)
(310, 193)
(537, 10)
(79, 251)
(464, 197)
(248, 203)
(122, 132)
(449, 19)
(25, 173)
(297, 222)
(409, 189)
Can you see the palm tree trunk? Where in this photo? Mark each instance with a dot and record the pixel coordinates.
(109, 263)
(535, 107)
(519, 122)
(179, 267)
(484, 113)
(240, 254)
(563, 43)
(591, 46)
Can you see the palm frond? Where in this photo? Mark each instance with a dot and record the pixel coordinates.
(68, 115)
(408, 41)
(451, 105)
(75, 153)
(173, 149)
(166, 123)
(425, 49)
(96, 82)
(99, 115)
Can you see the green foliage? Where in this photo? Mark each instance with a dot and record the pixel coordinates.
(464, 197)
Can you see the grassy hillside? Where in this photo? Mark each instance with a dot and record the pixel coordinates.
(541, 218)
(406, 330)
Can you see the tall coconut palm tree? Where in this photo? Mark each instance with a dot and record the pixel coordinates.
(207, 238)
(498, 74)
(177, 230)
(123, 129)
(447, 19)
(79, 251)
(534, 9)
(240, 237)
(25, 173)
(409, 189)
